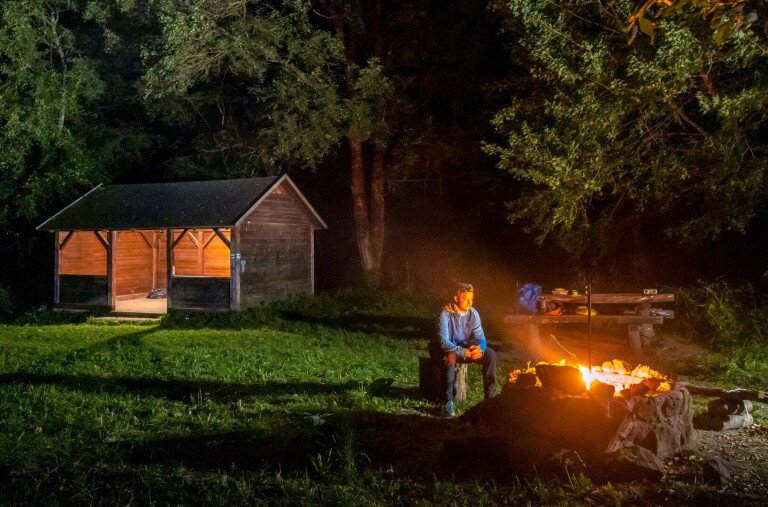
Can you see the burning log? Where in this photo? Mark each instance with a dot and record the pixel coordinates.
(563, 378)
(522, 379)
(599, 389)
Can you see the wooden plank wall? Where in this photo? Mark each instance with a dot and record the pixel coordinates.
(133, 264)
(83, 289)
(191, 260)
(200, 293)
(276, 243)
(83, 255)
(161, 275)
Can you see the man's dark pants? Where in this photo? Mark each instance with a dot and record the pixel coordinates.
(449, 361)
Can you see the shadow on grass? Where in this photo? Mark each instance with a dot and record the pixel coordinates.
(393, 326)
(191, 391)
(404, 327)
(402, 445)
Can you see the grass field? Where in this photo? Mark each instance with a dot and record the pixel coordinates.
(313, 401)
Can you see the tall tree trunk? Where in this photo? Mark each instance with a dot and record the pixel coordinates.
(378, 208)
(360, 207)
(368, 210)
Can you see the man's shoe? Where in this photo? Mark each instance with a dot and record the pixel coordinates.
(490, 392)
(449, 410)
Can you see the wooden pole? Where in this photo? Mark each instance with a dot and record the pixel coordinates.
(589, 327)
(111, 241)
(154, 259)
(56, 262)
(234, 271)
(168, 266)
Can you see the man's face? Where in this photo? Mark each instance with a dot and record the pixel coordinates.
(464, 300)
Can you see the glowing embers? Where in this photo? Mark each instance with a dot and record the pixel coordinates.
(612, 378)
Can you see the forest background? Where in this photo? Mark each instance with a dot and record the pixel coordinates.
(498, 142)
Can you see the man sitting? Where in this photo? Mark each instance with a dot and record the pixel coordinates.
(460, 339)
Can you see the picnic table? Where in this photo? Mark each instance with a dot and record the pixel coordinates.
(634, 320)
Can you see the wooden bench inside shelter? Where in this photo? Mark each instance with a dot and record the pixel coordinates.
(642, 319)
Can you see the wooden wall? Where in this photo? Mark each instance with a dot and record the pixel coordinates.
(133, 263)
(83, 290)
(83, 255)
(276, 242)
(200, 293)
(191, 259)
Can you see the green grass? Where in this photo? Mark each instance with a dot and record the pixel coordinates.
(281, 405)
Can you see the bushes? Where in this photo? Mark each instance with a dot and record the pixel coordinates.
(6, 304)
(724, 317)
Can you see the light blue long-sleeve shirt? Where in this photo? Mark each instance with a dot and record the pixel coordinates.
(456, 332)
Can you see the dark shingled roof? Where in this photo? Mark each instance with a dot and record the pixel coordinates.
(217, 203)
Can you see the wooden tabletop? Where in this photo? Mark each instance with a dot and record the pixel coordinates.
(629, 298)
(582, 319)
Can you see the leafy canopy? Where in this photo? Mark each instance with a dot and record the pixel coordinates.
(49, 144)
(670, 129)
(262, 86)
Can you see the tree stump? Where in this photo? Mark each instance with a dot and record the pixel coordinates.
(432, 380)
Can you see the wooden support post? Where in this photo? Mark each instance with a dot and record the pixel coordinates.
(635, 344)
(432, 380)
(312, 258)
(168, 266)
(234, 270)
(56, 262)
(154, 260)
(534, 339)
(200, 255)
(644, 310)
(111, 243)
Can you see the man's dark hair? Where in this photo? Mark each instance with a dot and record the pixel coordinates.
(464, 287)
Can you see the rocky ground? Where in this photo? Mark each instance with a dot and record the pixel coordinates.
(723, 467)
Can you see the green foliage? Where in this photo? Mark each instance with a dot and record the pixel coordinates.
(725, 18)
(725, 317)
(6, 304)
(261, 83)
(609, 132)
(49, 144)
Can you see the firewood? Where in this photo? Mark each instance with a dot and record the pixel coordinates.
(639, 389)
(731, 394)
(524, 380)
(723, 407)
(599, 389)
(566, 379)
(709, 421)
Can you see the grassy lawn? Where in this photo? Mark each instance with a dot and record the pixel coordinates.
(311, 401)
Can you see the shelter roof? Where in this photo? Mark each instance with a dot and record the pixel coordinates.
(191, 204)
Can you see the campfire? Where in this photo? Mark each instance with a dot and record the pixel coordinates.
(612, 378)
(608, 414)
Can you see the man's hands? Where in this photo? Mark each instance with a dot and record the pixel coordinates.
(473, 352)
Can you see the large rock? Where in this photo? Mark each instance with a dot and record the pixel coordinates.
(590, 426)
(632, 463)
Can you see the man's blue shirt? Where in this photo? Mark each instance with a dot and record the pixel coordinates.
(456, 332)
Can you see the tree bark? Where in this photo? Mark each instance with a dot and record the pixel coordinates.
(368, 209)
(378, 208)
(360, 203)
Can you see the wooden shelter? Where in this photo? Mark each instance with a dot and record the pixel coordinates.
(230, 244)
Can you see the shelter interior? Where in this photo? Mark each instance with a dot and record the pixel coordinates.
(139, 261)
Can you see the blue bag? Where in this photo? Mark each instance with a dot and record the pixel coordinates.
(527, 298)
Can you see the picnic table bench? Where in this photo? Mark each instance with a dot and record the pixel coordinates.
(641, 318)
